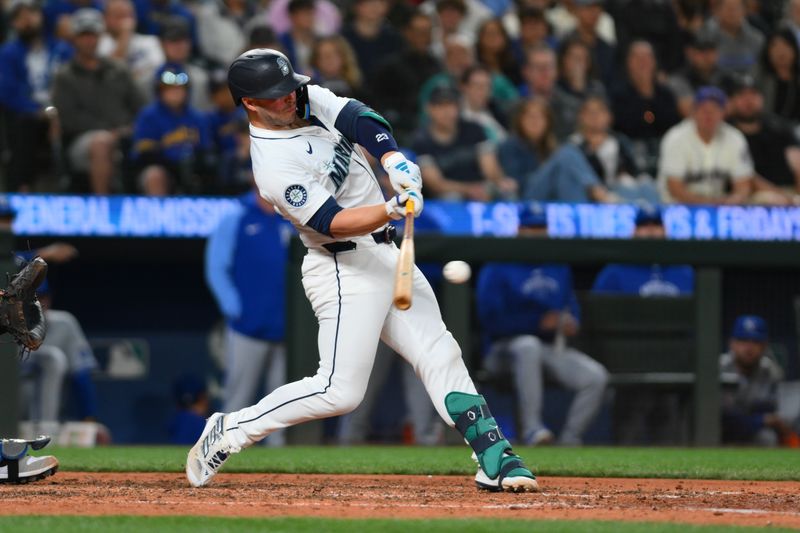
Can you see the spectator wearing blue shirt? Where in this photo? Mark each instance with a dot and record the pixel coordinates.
(171, 140)
(542, 170)
(27, 65)
(646, 280)
(245, 268)
(526, 313)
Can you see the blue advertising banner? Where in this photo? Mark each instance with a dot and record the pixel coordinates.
(193, 217)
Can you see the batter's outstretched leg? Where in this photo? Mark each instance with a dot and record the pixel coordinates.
(351, 309)
(420, 336)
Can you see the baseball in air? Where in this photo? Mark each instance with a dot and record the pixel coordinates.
(457, 272)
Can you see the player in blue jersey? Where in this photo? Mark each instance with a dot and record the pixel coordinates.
(646, 280)
(526, 312)
(642, 414)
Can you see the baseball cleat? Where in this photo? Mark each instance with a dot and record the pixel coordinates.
(27, 469)
(514, 477)
(508, 484)
(210, 452)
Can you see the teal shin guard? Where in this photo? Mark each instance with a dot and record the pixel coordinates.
(474, 421)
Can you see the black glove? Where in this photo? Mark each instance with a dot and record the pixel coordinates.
(21, 314)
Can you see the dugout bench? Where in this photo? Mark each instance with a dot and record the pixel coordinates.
(707, 257)
(640, 341)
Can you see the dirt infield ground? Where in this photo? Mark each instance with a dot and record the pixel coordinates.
(262, 495)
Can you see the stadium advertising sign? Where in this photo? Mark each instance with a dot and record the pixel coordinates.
(191, 217)
(757, 223)
(117, 216)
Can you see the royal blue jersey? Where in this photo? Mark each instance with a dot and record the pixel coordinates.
(24, 89)
(513, 298)
(176, 135)
(246, 258)
(224, 127)
(653, 280)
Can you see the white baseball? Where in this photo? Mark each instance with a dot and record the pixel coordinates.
(457, 272)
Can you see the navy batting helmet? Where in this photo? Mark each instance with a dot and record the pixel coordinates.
(263, 73)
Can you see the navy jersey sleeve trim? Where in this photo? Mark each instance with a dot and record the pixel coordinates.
(361, 124)
(351, 112)
(376, 139)
(321, 221)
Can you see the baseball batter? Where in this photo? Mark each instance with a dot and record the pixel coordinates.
(308, 162)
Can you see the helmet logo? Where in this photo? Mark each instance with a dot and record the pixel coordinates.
(284, 66)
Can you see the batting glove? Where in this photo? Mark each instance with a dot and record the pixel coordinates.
(396, 207)
(402, 173)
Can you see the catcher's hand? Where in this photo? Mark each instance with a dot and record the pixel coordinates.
(21, 313)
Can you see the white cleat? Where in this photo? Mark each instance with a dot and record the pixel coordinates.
(27, 469)
(509, 484)
(210, 452)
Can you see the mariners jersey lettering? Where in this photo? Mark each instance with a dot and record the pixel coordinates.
(298, 170)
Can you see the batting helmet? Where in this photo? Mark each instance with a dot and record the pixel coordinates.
(263, 73)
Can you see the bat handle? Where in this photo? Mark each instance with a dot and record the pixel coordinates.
(409, 207)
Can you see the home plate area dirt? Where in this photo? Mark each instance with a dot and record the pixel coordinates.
(346, 496)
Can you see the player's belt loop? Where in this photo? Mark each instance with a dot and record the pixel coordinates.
(385, 236)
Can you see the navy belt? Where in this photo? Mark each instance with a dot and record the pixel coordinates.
(385, 236)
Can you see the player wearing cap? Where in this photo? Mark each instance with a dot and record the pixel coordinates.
(526, 312)
(646, 280)
(309, 163)
(750, 378)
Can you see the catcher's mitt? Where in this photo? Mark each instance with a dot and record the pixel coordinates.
(21, 313)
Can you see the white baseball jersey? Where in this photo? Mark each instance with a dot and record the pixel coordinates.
(705, 168)
(350, 291)
(298, 170)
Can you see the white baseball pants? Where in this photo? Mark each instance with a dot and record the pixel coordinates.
(351, 295)
(529, 358)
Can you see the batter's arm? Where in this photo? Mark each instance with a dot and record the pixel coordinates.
(361, 220)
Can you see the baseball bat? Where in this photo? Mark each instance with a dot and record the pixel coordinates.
(404, 277)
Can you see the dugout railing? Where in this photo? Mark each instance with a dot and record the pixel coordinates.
(708, 257)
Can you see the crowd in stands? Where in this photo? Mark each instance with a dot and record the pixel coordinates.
(693, 101)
